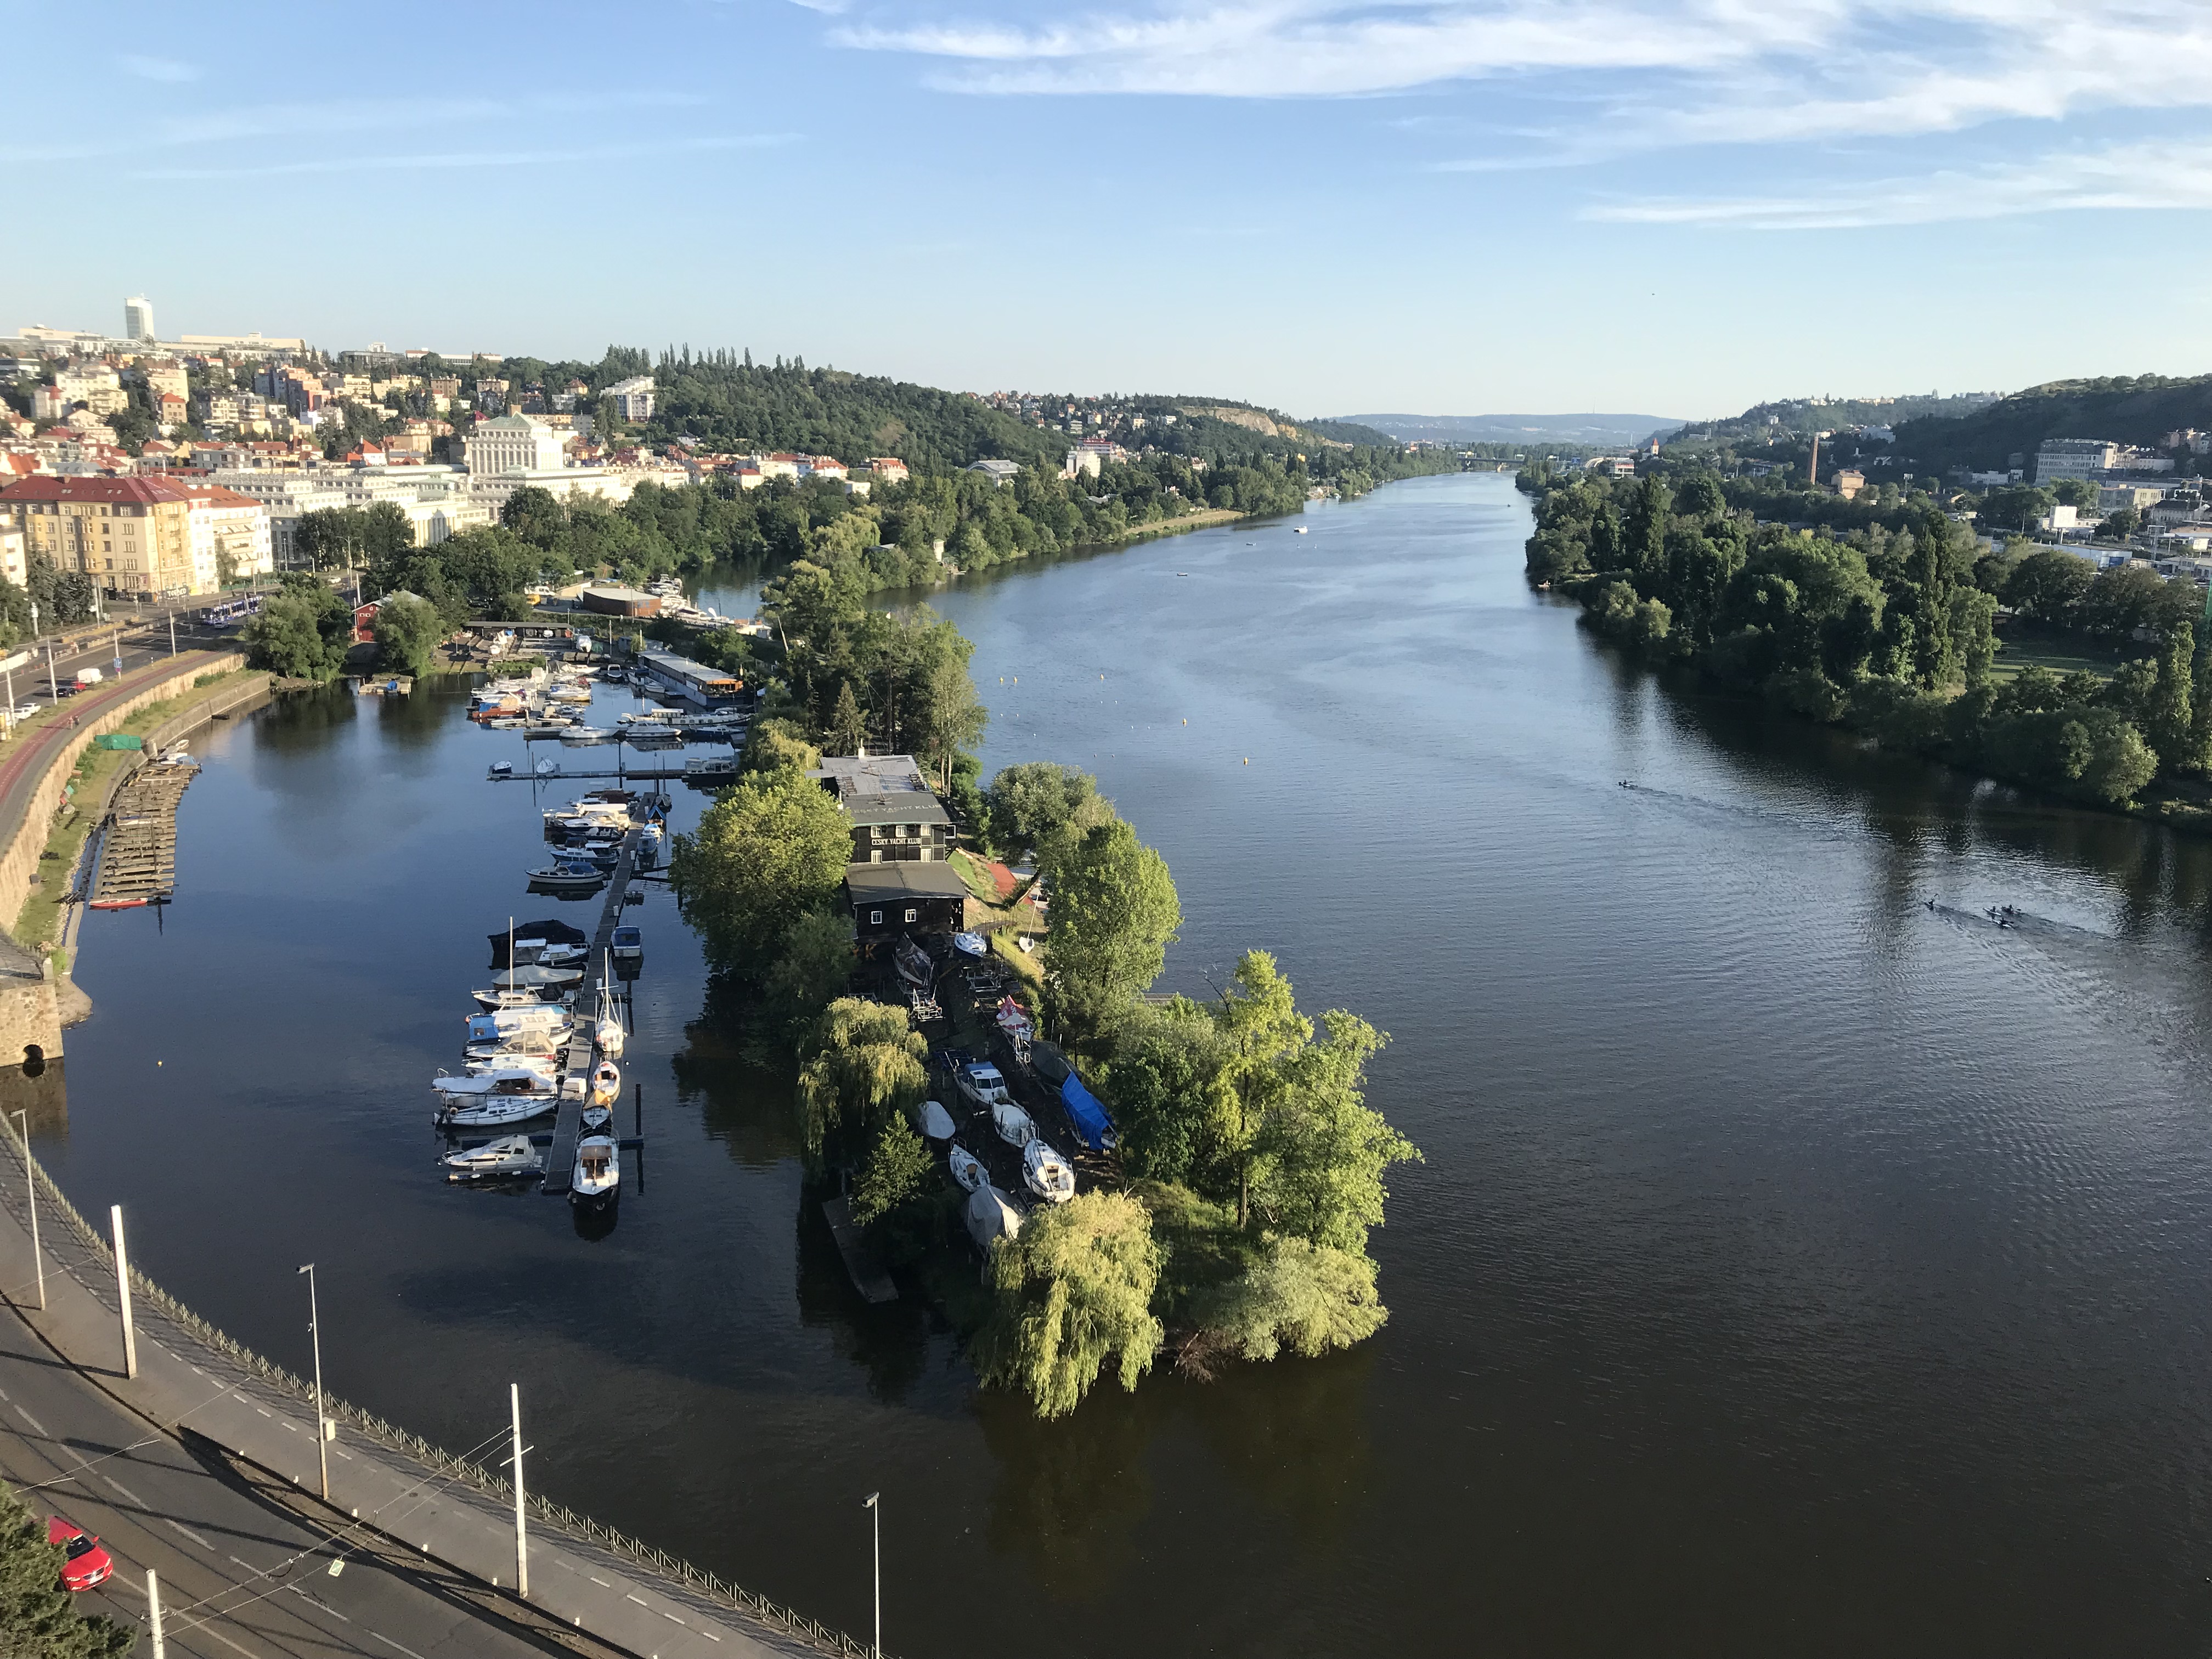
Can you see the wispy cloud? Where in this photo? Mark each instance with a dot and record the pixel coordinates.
(159, 69)
(2131, 176)
(447, 160)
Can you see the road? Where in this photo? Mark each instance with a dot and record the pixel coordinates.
(239, 1574)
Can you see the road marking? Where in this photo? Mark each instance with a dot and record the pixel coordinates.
(28, 1418)
(389, 1643)
(601, 1582)
(187, 1532)
(673, 1619)
(294, 1427)
(335, 1452)
(264, 1411)
(710, 1636)
(640, 1600)
(124, 1490)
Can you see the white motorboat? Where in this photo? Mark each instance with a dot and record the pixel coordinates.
(502, 768)
(504, 1158)
(967, 1169)
(528, 1016)
(626, 945)
(1046, 1173)
(583, 737)
(991, 1217)
(505, 1060)
(599, 1120)
(983, 1082)
(536, 976)
(936, 1121)
(596, 1181)
(496, 1112)
(578, 876)
(504, 1080)
(530, 1044)
(606, 1083)
(1012, 1123)
(493, 1001)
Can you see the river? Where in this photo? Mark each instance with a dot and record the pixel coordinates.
(1795, 1268)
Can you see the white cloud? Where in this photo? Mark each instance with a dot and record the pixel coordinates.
(447, 160)
(160, 69)
(2176, 175)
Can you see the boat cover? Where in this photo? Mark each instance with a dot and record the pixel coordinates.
(1050, 1064)
(973, 943)
(548, 932)
(990, 1217)
(936, 1121)
(1085, 1112)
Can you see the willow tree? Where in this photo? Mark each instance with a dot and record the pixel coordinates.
(1074, 1290)
(870, 1068)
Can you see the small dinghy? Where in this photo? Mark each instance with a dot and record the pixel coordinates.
(967, 1169)
(501, 1159)
(936, 1121)
(1046, 1173)
(973, 943)
(496, 1112)
(1012, 1124)
(547, 768)
(502, 768)
(606, 1083)
(596, 1181)
(991, 1217)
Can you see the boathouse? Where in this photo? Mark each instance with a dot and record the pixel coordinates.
(904, 898)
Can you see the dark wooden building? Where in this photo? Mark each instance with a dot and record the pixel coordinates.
(905, 897)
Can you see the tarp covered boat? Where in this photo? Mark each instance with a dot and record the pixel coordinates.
(1085, 1111)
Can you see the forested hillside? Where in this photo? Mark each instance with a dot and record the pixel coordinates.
(2141, 409)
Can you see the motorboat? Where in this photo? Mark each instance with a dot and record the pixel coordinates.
(967, 1169)
(603, 852)
(532, 1017)
(1046, 1173)
(596, 1181)
(507, 1060)
(609, 1036)
(577, 876)
(502, 1080)
(599, 1120)
(583, 737)
(519, 1048)
(496, 1111)
(494, 999)
(973, 943)
(983, 1082)
(536, 976)
(502, 768)
(1014, 1125)
(991, 1217)
(547, 768)
(628, 944)
(1014, 1019)
(501, 1159)
(606, 1083)
(648, 738)
(913, 963)
(936, 1121)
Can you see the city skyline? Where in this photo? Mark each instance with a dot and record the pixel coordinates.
(1452, 209)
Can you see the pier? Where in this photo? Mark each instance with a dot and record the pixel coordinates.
(870, 1277)
(561, 1161)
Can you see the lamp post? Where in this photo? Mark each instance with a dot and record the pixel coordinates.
(31, 1183)
(876, 1516)
(322, 1428)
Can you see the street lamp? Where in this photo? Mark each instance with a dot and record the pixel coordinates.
(876, 1514)
(322, 1428)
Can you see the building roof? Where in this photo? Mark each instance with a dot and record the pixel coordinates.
(868, 774)
(144, 491)
(907, 879)
(896, 807)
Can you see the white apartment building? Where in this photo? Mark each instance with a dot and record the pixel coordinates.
(633, 397)
(438, 500)
(513, 443)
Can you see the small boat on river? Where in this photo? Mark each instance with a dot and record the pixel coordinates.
(495, 1160)
(529, 1017)
(596, 1181)
(606, 1083)
(573, 877)
(496, 1111)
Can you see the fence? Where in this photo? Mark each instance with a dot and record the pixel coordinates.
(560, 1516)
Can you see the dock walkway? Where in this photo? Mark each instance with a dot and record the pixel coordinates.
(870, 1277)
(561, 1161)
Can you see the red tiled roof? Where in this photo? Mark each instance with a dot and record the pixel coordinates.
(149, 491)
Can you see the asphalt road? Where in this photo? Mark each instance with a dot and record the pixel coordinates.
(240, 1575)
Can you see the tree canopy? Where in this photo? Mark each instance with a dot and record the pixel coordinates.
(1113, 914)
(765, 853)
(39, 1619)
(1073, 1291)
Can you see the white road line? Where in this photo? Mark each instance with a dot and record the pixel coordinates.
(187, 1532)
(264, 1411)
(673, 1619)
(124, 1490)
(335, 1452)
(389, 1643)
(640, 1600)
(599, 1581)
(31, 1420)
(710, 1636)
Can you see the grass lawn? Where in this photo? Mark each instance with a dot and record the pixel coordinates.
(2060, 653)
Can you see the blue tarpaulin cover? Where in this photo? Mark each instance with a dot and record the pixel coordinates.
(1083, 1108)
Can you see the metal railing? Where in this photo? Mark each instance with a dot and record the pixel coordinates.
(581, 1527)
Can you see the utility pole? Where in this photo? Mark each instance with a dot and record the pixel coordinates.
(876, 1514)
(173, 633)
(53, 688)
(154, 1613)
(521, 1536)
(31, 1182)
(322, 1423)
(123, 1293)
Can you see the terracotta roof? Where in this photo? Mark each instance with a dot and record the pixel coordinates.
(150, 490)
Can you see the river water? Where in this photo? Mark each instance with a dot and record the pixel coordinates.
(1795, 1268)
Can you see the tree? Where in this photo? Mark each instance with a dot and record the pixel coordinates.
(774, 744)
(2074, 492)
(1318, 1160)
(812, 970)
(303, 632)
(1161, 1086)
(1701, 497)
(2168, 722)
(1306, 1297)
(868, 1069)
(39, 1618)
(534, 514)
(408, 633)
(387, 535)
(1113, 914)
(1030, 802)
(848, 731)
(764, 854)
(1262, 1031)
(2047, 585)
(1072, 1290)
(896, 1168)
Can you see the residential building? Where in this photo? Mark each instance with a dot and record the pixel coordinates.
(1849, 483)
(897, 826)
(97, 387)
(138, 318)
(1001, 473)
(513, 443)
(2074, 458)
(166, 374)
(633, 397)
(439, 501)
(144, 535)
(2113, 495)
(890, 901)
(14, 563)
(887, 469)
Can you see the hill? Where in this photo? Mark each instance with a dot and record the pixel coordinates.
(1596, 431)
(2139, 410)
(1800, 417)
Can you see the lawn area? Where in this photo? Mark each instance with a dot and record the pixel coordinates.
(2062, 654)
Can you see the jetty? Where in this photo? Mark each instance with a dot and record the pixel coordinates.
(576, 1077)
(869, 1276)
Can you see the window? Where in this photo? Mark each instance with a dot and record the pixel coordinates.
(910, 915)
(875, 917)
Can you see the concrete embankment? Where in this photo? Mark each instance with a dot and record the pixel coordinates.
(190, 1378)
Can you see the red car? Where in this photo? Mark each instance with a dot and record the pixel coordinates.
(86, 1564)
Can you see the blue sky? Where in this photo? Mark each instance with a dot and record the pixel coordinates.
(1454, 206)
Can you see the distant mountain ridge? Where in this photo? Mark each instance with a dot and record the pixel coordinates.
(1600, 430)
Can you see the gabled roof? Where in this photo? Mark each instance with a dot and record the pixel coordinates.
(885, 884)
(146, 491)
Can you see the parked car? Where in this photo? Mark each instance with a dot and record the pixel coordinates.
(25, 710)
(84, 1562)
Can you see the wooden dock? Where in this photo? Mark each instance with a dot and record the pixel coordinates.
(561, 1161)
(632, 775)
(137, 854)
(869, 1276)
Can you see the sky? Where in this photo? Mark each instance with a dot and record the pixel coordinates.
(1665, 206)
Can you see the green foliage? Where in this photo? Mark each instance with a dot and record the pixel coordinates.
(773, 744)
(868, 1068)
(1073, 1290)
(408, 633)
(1113, 914)
(765, 854)
(1307, 1297)
(898, 1167)
(1029, 803)
(1160, 1086)
(39, 1620)
(62, 597)
(2047, 585)
(1319, 1156)
(304, 631)
(810, 970)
